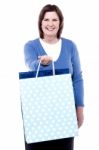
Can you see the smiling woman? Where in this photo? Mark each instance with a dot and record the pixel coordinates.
(51, 47)
(50, 26)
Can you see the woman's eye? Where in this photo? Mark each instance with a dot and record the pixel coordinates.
(55, 20)
(49, 20)
(45, 19)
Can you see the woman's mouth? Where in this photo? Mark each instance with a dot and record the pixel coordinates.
(50, 29)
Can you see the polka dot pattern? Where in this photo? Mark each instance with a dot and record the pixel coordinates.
(48, 108)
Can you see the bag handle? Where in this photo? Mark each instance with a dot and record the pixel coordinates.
(38, 68)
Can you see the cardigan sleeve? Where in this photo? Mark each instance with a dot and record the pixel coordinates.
(31, 56)
(77, 78)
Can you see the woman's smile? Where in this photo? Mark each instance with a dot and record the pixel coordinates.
(50, 24)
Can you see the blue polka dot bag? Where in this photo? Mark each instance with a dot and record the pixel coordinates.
(48, 105)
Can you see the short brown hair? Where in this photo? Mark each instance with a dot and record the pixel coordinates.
(50, 8)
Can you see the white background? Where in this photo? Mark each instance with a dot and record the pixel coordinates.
(18, 24)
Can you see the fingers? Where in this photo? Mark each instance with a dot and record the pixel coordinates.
(45, 60)
(80, 122)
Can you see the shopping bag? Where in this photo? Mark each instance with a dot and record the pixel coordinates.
(48, 106)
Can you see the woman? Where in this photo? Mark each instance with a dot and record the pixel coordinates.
(50, 46)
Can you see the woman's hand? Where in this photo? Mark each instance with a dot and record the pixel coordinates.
(80, 116)
(45, 60)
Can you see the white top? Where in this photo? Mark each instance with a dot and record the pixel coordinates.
(52, 50)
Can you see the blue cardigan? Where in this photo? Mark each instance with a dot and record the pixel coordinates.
(68, 58)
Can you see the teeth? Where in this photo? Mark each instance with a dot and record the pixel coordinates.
(50, 29)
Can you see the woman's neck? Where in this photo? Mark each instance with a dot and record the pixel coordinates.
(50, 40)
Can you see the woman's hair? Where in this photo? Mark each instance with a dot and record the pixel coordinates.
(50, 8)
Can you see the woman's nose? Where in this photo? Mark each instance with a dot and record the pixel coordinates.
(50, 23)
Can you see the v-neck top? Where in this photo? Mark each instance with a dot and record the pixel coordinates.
(52, 50)
(68, 59)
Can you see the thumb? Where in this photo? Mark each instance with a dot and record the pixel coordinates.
(39, 57)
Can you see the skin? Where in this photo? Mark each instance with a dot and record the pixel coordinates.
(80, 116)
(50, 27)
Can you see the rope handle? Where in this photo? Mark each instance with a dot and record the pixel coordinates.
(38, 68)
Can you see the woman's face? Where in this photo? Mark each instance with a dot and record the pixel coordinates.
(50, 24)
